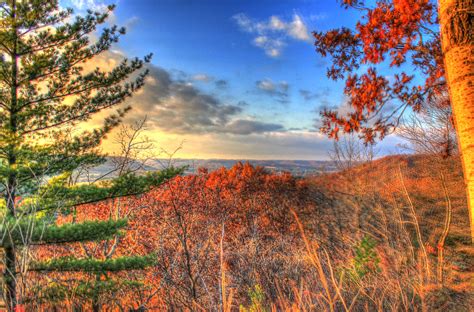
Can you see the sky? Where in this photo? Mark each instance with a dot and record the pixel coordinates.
(233, 79)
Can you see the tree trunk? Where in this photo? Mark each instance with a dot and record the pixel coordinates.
(9, 274)
(95, 297)
(457, 37)
(9, 277)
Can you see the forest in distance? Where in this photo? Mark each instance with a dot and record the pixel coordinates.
(259, 156)
(297, 168)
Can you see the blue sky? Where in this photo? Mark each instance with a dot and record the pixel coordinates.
(234, 78)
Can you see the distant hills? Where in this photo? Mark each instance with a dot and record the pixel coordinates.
(295, 167)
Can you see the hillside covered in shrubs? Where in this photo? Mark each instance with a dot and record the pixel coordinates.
(372, 238)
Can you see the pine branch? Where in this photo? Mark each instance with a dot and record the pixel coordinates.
(32, 232)
(63, 197)
(70, 264)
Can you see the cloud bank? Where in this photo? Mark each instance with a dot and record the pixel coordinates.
(177, 106)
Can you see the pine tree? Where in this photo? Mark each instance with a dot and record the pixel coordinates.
(44, 92)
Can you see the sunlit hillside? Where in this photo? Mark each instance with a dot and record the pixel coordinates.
(278, 239)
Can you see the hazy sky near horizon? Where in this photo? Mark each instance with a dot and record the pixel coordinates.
(230, 79)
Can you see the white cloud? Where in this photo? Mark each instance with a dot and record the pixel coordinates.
(270, 86)
(272, 35)
(266, 85)
(202, 77)
(244, 22)
(298, 30)
(98, 6)
(88, 4)
(277, 23)
(318, 17)
(80, 4)
(131, 22)
(272, 47)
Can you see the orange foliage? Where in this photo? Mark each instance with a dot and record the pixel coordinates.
(181, 222)
(400, 31)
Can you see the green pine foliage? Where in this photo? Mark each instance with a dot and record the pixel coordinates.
(29, 231)
(55, 293)
(70, 264)
(46, 92)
